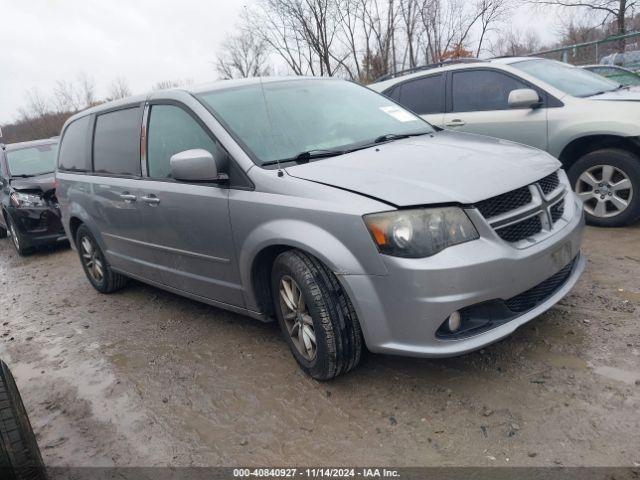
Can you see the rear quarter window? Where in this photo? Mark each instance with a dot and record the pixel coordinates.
(116, 142)
(74, 151)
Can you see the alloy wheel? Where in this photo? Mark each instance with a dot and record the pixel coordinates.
(297, 318)
(92, 259)
(605, 190)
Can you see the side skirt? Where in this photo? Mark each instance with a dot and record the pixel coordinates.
(225, 306)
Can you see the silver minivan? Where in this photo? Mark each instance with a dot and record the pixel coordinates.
(326, 206)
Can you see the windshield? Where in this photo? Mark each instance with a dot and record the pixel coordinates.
(31, 161)
(572, 80)
(277, 121)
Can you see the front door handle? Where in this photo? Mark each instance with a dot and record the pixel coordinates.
(128, 198)
(456, 122)
(151, 200)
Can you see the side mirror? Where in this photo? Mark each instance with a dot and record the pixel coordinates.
(195, 165)
(524, 98)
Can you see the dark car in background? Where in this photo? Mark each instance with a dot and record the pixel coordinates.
(621, 75)
(30, 213)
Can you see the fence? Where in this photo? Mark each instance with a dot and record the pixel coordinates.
(600, 51)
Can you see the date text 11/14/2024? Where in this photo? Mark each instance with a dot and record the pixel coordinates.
(315, 473)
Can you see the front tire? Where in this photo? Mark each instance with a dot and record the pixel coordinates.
(16, 238)
(95, 265)
(316, 316)
(3, 231)
(608, 182)
(20, 457)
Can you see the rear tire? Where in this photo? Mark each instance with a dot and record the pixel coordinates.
(598, 178)
(318, 309)
(95, 264)
(20, 457)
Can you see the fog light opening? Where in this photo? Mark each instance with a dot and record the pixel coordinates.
(454, 322)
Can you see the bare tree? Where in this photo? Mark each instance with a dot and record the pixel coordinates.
(175, 83)
(65, 96)
(491, 12)
(608, 10)
(36, 105)
(118, 89)
(86, 90)
(243, 55)
(516, 43)
(410, 17)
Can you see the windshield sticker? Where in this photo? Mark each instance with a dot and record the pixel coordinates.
(399, 114)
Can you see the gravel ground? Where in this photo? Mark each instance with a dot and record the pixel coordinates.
(144, 377)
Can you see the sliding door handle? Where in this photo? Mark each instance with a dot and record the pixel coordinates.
(128, 198)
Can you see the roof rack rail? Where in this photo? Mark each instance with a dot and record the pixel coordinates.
(443, 63)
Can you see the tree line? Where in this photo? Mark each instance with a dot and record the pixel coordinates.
(362, 40)
(44, 113)
(359, 40)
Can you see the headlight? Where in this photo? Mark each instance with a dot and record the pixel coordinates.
(421, 232)
(26, 200)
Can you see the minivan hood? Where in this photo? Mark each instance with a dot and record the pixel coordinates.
(448, 167)
(44, 183)
(624, 94)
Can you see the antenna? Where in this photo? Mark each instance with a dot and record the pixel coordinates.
(268, 111)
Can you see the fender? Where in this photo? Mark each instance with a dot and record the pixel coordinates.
(307, 237)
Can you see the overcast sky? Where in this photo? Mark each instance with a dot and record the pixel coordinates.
(144, 41)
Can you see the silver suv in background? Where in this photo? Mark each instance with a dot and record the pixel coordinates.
(591, 124)
(325, 205)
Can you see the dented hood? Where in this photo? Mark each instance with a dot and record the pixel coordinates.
(448, 167)
(44, 183)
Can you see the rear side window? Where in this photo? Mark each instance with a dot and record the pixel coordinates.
(482, 90)
(172, 130)
(116, 142)
(423, 96)
(74, 147)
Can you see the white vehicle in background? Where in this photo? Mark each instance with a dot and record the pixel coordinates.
(590, 123)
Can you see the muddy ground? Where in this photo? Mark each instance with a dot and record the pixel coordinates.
(144, 377)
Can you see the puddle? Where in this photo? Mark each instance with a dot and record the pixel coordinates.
(618, 374)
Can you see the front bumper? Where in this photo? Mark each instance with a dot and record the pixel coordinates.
(38, 226)
(401, 312)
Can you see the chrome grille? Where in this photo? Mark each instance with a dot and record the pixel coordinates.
(528, 211)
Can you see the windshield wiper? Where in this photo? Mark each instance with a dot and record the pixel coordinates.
(397, 136)
(306, 156)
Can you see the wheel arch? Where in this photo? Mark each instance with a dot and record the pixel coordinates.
(580, 146)
(76, 216)
(74, 225)
(261, 248)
